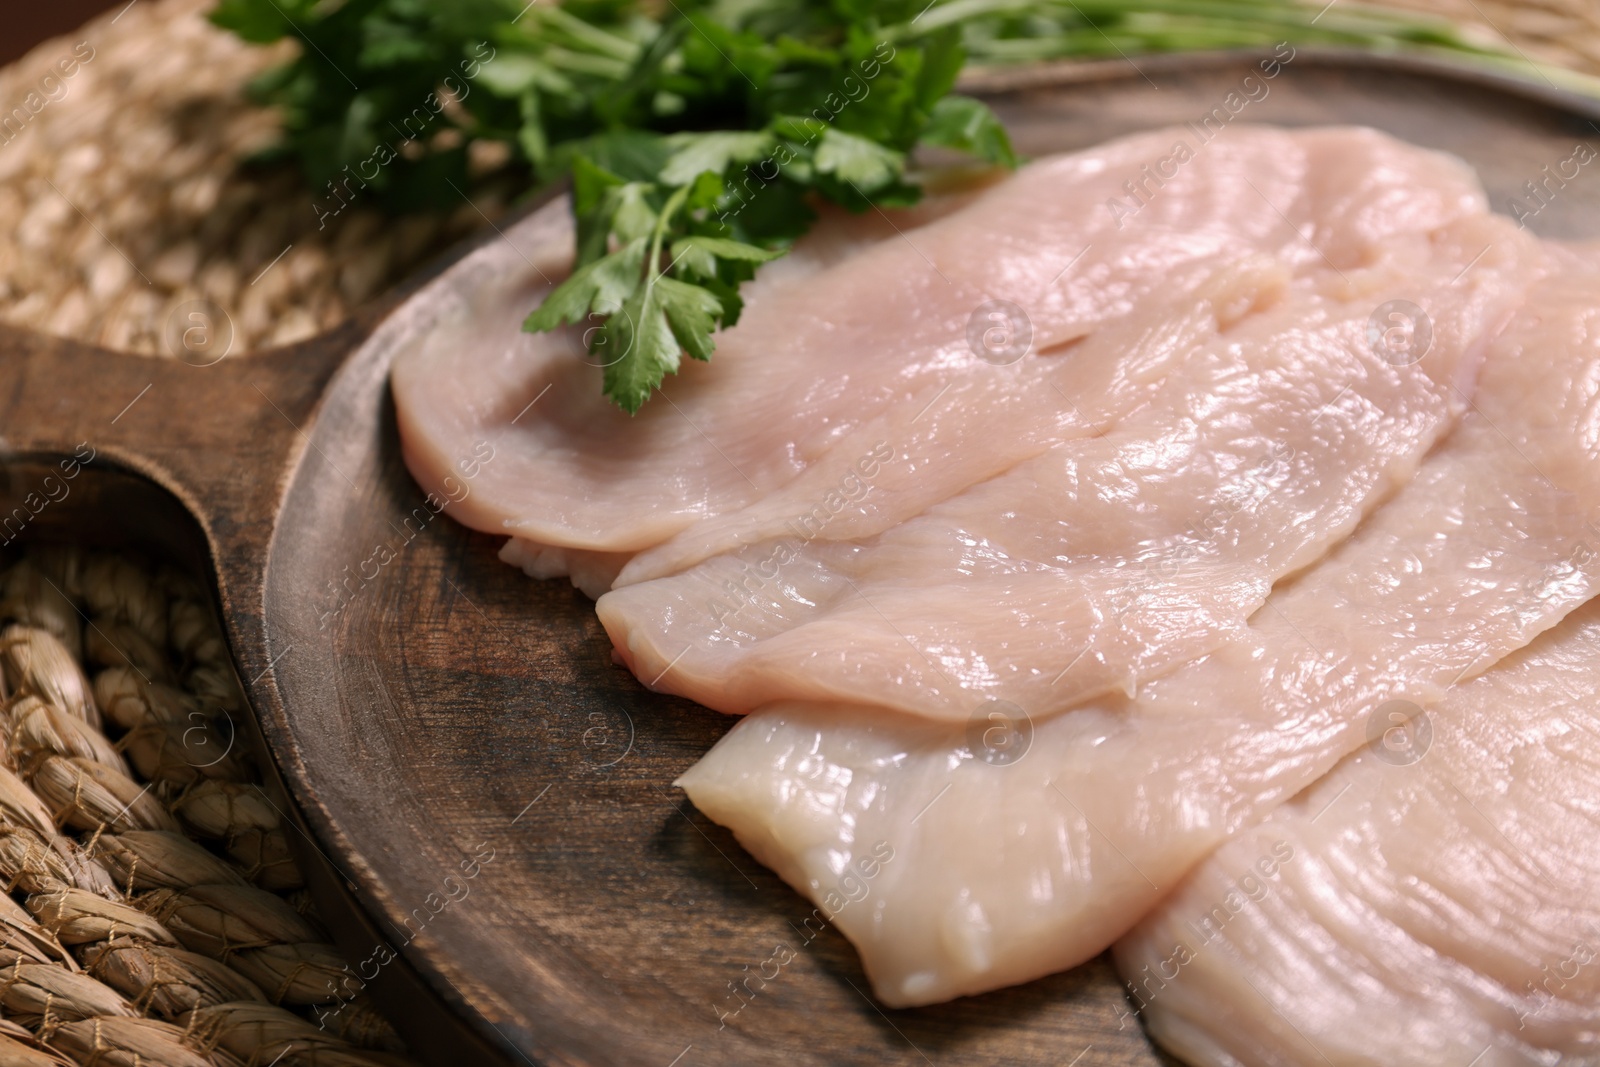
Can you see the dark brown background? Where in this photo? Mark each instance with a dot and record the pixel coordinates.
(27, 27)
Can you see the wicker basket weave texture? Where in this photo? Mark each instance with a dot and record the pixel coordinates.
(152, 913)
(126, 198)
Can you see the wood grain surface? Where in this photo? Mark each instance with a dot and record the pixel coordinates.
(492, 793)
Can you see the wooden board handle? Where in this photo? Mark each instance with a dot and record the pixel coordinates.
(222, 438)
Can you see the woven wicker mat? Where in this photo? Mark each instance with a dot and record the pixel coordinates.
(123, 198)
(155, 916)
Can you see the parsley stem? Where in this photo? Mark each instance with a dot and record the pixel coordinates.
(673, 205)
(586, 33)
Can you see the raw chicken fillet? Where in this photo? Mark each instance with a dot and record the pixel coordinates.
(1019, 868)
(1092, 627)
(1436, 898)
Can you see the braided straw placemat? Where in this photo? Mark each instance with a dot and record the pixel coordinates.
(124, 195)
(155, 914)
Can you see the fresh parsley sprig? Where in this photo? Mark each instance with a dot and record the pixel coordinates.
(670, 225)
(698, 135)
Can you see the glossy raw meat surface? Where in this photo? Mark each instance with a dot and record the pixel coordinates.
(1436, 898)
(835, 354)
(1104, 561)
(1055, 621)
(1017, 867)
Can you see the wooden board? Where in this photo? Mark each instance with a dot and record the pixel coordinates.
(491, 797)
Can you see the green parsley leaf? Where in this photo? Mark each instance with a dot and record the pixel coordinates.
(693, 313)
(967, 125)
(698, 153)
(698, 136)
(698, 255)
(254, 22)
(864, 164)
(641, 348)
(600, 288)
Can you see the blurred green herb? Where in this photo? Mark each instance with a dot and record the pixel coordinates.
(697, 133)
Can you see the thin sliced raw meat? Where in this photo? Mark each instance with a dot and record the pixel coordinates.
(962, 430)
(469, 384)
(1429, 900)
(1130, 299)
(1106, 561)
(822, 355)
(1006, 871)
